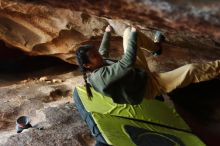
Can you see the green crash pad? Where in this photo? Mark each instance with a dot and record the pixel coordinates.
(151, 116)
(149, 110)
(112, 129)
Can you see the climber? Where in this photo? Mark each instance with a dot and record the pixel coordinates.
(129, 80)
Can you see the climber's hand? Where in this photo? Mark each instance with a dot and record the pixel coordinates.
(133, 29)
(108, 28)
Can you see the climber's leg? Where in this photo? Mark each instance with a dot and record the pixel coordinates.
(152, 88)
(190, 73)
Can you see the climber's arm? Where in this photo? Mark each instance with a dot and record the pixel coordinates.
(104, 47)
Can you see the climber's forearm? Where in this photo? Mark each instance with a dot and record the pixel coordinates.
(104, 47)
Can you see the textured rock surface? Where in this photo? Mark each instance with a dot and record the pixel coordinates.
(56, 28)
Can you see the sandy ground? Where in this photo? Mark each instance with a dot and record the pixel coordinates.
(47, 100)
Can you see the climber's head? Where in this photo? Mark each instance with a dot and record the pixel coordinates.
(88, 57)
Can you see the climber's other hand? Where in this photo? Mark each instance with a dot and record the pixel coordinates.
(108, 28)
(133, 29)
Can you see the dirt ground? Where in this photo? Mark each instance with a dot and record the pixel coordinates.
(46, 97)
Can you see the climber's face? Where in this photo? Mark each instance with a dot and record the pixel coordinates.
(95, 59)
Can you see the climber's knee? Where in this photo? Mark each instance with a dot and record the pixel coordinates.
(126, 32)
(125, 38)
